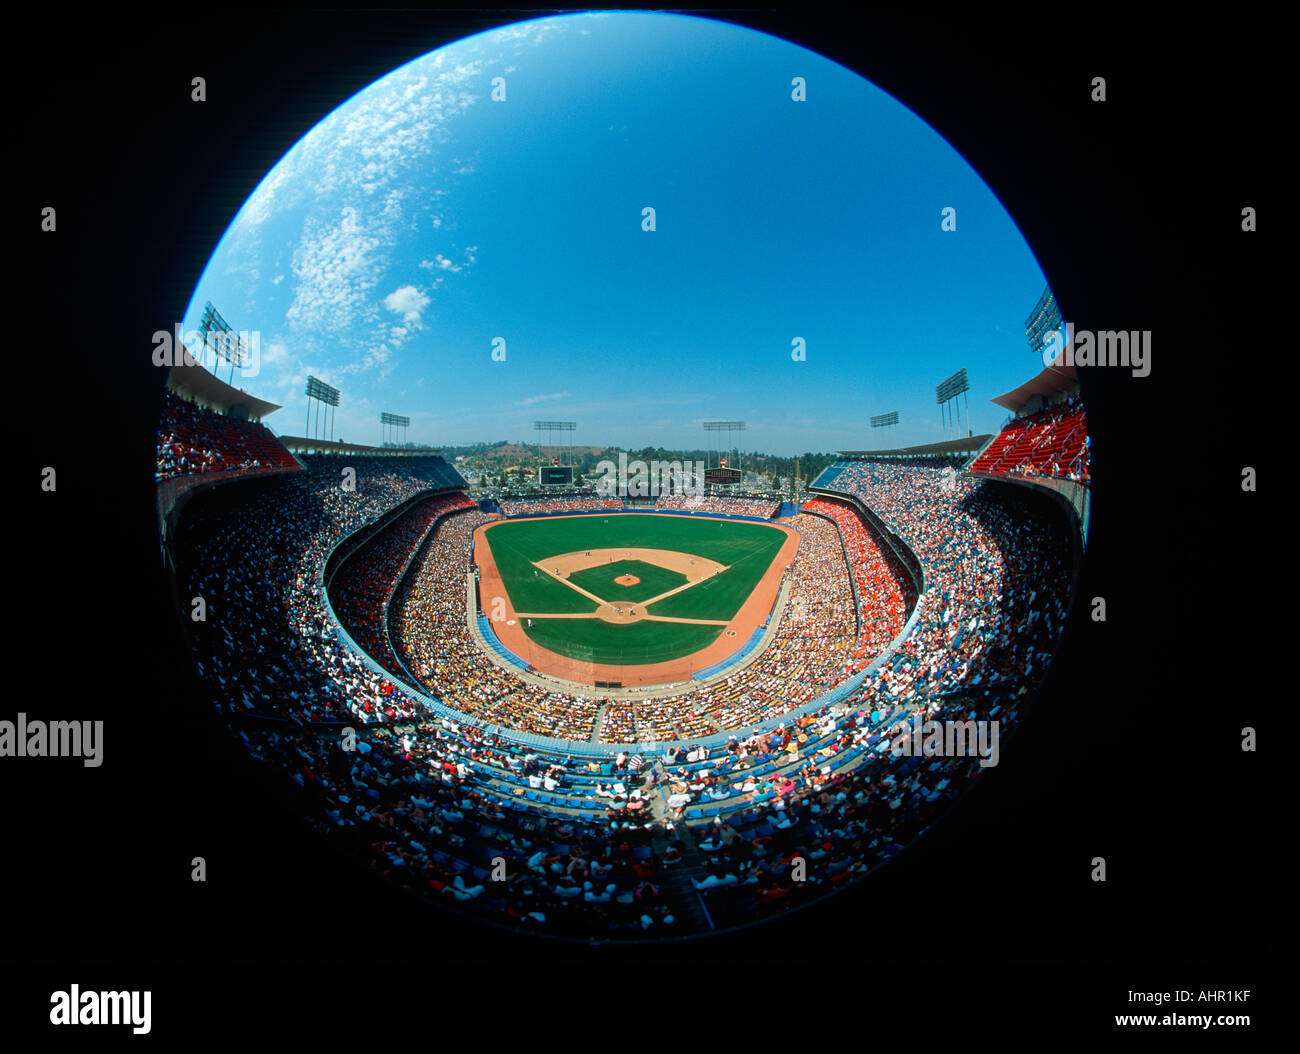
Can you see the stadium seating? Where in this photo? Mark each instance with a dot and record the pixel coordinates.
(762, 508)
(259, 556)
(364, 585)
(1051, 442)
(659, 824)
(192, 439)
(539, 506)
(884, 591)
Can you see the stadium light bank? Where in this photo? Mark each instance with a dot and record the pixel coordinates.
(243, 346)
(1107, 347)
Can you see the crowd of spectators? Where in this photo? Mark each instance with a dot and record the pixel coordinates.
(812, 649)
(362, 587)
(624, 846)
(995, 561)
(885, 592)
(724, 505)
(571, 503)
(255, 551)
(429, 624)
(193, 439)
(1053, 441)
(995, 564)
(449, 812)
(839, 806)
(478, 824)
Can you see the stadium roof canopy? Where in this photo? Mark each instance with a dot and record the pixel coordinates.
(952, 446)
(1049, 382)
(306, 445)
(200, 385)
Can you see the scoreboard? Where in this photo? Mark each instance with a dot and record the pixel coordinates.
(555, 475)
(727, 476)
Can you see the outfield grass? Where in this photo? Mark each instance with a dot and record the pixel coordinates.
(529, 592)
(654, 581)
(723, 540)
(632, 644)
(721, 596)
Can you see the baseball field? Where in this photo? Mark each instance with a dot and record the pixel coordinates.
(631, 598)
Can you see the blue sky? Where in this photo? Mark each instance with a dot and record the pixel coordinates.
(422, 219)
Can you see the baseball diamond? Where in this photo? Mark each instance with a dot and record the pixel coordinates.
(632, 598)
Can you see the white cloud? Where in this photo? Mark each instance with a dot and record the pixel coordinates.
(336, 268)
(275, 353)
(440, 263)
(525, 32)
(407, 302)
(533, 400)
(376, 357)
(329, 216)
(362, 156)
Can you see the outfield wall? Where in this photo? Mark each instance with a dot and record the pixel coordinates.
(649, 509)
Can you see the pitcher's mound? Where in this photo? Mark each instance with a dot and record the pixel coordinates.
(627, 580)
